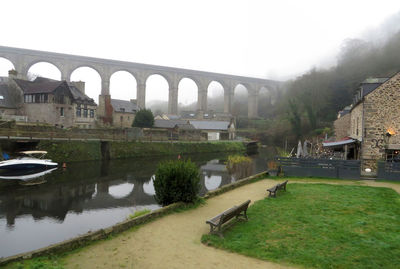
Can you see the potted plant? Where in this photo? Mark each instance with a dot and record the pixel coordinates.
(272, 168)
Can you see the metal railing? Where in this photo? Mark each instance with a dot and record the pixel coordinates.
(308, 167)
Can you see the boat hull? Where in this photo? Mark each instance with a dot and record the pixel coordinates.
(19, 168)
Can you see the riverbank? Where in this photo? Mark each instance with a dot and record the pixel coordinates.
(174, 240)
(74, 151)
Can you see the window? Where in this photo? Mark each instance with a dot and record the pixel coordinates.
(85, 113)
(92, 113)
(1, 97)
(37, 98)
(61, 111)
(43, 98)
(357, 126)
(78, 111)
(28, 98)
(122, 109)
(122, 118)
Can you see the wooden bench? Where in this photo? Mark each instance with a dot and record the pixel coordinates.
(236, 211)
(281, 186)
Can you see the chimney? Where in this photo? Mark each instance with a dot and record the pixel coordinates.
(12, 73)
(80, 85)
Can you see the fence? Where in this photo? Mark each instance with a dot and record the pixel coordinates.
(389, 170)
(344, 169)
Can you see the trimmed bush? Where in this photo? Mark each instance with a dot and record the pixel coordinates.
(176, 181)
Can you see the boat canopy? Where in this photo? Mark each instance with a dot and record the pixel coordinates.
(28, 152)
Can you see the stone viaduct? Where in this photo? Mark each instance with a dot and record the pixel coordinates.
(23, 59)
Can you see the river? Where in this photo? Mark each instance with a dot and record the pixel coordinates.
(87, 196)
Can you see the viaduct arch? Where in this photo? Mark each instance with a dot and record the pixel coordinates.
(23, 59)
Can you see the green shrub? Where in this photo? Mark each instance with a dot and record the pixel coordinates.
(176, 181)
(144, 119)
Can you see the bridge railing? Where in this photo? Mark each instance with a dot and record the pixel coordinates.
(132, 134)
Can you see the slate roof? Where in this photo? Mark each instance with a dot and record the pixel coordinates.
(80, 96)
(210, 125)
(366, 87)
(169, 124)
(124, 106)
(8, 99)
(40, 85)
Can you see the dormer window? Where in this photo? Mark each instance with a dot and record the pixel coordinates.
(122, 109)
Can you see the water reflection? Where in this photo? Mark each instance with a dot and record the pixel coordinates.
(86, 196)
(121, 190)
(148, 187)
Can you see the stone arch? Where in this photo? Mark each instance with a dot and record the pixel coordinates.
(5, 66)
(240, 93)
(157, 92)
(264, 101)
(43, 69)
(92, 78)
(123, 85)
(75, 67)
(187, 93)
(215, 95)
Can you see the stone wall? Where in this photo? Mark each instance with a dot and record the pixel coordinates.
(381, 114)
(82, 122)
(49, 113)
(123, 119)
(356, 122)
(342, 126)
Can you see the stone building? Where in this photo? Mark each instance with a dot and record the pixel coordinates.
(56, 103)
(342, 123)
(85, 108)
(10, 101)
(374, 122)
(124, 112)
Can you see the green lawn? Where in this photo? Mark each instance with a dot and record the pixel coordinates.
(322, 226)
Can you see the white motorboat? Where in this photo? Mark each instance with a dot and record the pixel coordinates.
(29, 162)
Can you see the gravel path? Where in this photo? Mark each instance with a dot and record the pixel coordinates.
(173, 241)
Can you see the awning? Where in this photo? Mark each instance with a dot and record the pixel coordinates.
(339, 143)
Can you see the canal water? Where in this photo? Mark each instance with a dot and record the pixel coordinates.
(87, 196)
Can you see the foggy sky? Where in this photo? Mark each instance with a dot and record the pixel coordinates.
(268, 39)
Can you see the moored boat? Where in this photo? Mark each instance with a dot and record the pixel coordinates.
(29, 162)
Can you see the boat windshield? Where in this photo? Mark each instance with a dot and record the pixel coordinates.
(38, 154)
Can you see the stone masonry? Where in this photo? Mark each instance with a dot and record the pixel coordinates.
(380, 114)
(342, 126)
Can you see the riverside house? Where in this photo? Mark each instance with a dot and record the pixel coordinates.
(371, 127)
(124, 112)
(57, 103)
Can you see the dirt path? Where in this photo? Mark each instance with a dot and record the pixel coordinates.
(173, 241)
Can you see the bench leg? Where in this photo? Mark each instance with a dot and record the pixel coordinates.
(211, 229)
(219, 231)
(272, 194)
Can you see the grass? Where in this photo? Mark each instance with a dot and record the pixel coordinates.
(320, 226)
(38, 263)
(139, 213)
(316, 179)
